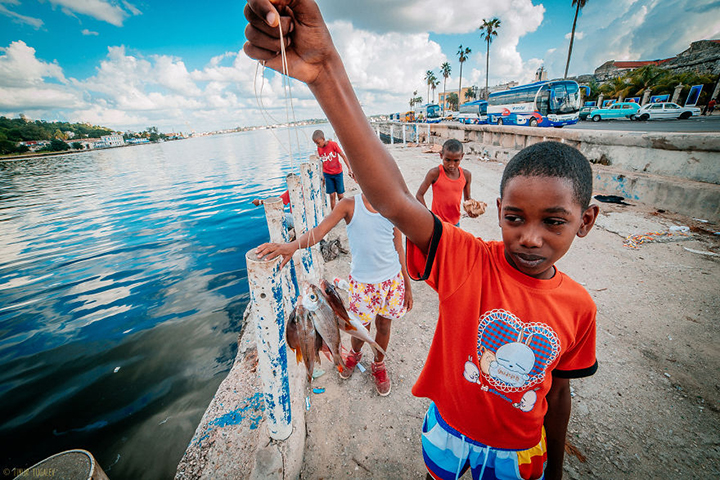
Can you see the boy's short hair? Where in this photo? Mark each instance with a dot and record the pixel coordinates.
(317, 134)
(553, 159)
(452, 145)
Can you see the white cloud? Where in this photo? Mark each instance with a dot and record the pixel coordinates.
(414, 16)
(16, 17)
(87, 32)
(98, 9)
(635, 30)
(20, 68)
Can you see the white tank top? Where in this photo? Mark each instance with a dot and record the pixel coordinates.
(374, 258)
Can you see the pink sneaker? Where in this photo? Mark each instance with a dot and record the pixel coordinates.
(382, 382)
(351, 360)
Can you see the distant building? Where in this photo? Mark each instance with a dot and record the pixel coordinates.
(541, 74)
(111, 141)
(462, 98)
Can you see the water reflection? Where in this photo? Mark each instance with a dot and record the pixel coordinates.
(122, 288)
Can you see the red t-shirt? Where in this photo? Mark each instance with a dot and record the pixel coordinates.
(500, 338)
(447, 195)
(330, 156)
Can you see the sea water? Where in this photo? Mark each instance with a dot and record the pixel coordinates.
(122, 291)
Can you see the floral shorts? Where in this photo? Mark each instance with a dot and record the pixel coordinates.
(386, 299)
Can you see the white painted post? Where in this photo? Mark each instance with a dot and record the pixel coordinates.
(404, 140)
(428, 136)
(275, 216)
(377, 130)
(318, 186)
(308, 259)
(392, 133)
(310, 193)
(298, 203)
(267, 307)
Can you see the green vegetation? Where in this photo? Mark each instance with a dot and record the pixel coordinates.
(658, 80)
(20, 129)
(463, 55)
(488, 30)
(14, 130)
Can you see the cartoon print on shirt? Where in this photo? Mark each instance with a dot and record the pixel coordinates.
(513, 362)
(527, 402)
(513, 357)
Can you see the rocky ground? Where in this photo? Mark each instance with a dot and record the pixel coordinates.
(651, 410)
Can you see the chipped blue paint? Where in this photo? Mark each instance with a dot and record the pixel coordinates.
(251, 409)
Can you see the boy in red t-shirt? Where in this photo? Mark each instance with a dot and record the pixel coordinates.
(512, 329)
(449, 182)
(332, 169)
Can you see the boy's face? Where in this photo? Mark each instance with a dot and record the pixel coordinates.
(451, 160)
(540, 218)
(320, 142)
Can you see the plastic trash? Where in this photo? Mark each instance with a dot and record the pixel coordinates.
(307, 403)
(341, 284)
(318, 390)
(318, 372)
(680, 228)
(360, 367)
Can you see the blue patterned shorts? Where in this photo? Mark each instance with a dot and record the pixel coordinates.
(448, 454)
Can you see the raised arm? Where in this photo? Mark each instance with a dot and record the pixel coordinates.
(313, 59)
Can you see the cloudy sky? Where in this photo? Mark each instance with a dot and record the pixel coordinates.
(178, 65)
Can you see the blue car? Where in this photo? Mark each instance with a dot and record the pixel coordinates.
(616, 110)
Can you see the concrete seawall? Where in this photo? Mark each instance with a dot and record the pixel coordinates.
(676, 172)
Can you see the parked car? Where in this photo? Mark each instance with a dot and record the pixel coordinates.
(665, 110)
(585, 111)
(616, 110)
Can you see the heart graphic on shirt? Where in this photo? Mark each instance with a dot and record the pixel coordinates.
(514, 355)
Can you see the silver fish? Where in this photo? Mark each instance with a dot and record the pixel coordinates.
(324, 320)
(303, 339)
(347, 323)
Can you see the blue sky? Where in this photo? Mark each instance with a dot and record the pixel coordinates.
(179, 65)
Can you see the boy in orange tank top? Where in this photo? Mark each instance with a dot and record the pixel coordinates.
(450, 184)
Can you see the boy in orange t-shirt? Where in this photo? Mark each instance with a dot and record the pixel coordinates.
(512, 329)
(449, 182)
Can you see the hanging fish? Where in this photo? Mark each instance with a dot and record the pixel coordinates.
(346, 322)
(303, 339)
(324, 320)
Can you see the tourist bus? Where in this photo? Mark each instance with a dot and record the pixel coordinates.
(553, 103)
(428, 112)
(473, 112)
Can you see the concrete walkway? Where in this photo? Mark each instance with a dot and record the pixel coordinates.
(350, 432)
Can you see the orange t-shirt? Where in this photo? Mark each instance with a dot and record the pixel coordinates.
(447, 195)
(500, 338)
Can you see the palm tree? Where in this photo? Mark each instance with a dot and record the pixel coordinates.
(579, 4)
(462, 56)
(445, 69)
(488, 30)
(435, 82)
(429, 79)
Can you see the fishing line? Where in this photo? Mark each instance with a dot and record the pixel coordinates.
(289, 113)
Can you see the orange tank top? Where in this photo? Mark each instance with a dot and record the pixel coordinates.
(447, 195)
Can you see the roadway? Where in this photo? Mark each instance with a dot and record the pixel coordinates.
(691, 125)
